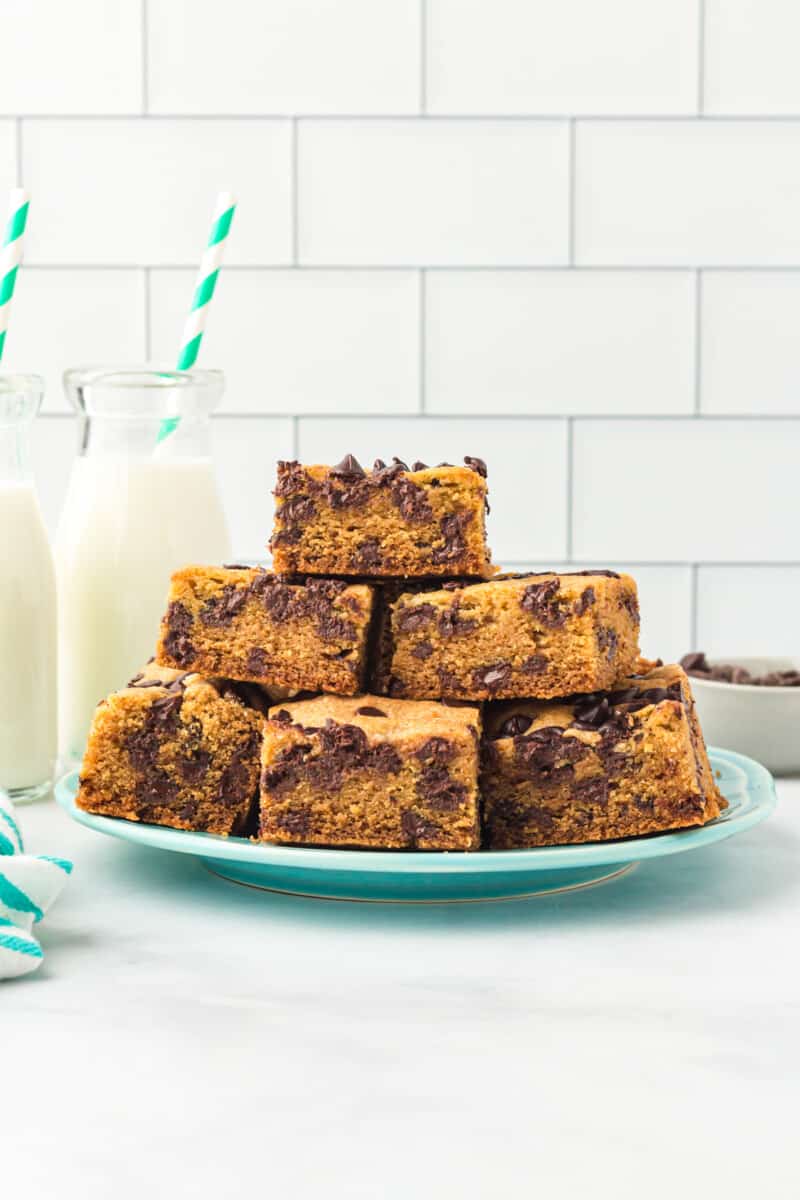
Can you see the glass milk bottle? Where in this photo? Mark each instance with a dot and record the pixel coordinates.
(27, 606)
(136, 509)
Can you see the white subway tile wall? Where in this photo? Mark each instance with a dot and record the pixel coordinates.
(564, 237)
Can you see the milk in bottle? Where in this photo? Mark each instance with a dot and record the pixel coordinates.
(136, 509)
(27, 606)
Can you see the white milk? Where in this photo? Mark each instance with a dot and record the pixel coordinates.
(27, 642)
(127, 525)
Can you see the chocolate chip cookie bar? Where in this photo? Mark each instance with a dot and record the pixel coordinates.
(244, 623)
(591, 768)
(530, 636)
(369, 772)
(174, 749)
(390, 521)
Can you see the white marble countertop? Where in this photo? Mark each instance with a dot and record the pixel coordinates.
(189, 1037)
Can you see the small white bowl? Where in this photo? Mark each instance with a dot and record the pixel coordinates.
(762, 722)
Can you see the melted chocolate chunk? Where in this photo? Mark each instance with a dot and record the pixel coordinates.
(592, 791)
(349, 467)
(256, 661)
(220, 610)
(492, 677)
(476, 464)
(608, 642)
(367, 555)
(451, 622)
(513, 726)
(585, 601)
(415, 828)
(367, 710)
(194, 770)
(163, 713)
(176, 642)
(537, 664)
(422, 650)
(448, 680)
(235, 786)
(543, 602)
(452, 529)
(410, 499)
(437, 788)
(413, 617)
(156, 789)
(292, 477)
(436, 749)
(342, 739)
(383, 759)
(545, 754)
(336, 629)
(295, 821)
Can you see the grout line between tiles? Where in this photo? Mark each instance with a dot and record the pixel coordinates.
(423, 342)
(295, 437)
(701, 57)
(433, 268)
(295, 194)
(661, 118)
(571, 195)
(423, 58)
(18, 152)
(570, 473)
(145, 59)
(527, 418)
(698, 341)
(148, 327)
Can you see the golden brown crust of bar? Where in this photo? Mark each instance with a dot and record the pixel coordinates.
(247, 624)
(614, 765)
(530, 636)
(390, 521)
(370, 772)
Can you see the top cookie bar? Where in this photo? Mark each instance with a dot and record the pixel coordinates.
(391, 521)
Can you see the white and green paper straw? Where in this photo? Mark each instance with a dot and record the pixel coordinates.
(11, 256)
(203, 293)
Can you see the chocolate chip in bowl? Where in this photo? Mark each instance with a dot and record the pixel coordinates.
(750, 704)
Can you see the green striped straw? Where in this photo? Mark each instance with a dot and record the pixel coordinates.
(203, 293)
(11, 255)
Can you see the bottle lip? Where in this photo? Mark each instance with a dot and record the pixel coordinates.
(139, 375)
(143, 392)
(21, 383)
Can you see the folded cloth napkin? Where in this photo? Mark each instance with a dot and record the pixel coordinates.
(28, 886)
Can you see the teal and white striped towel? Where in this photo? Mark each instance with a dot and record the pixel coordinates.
(28, 886)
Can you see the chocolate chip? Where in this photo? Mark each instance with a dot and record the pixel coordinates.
(296, 821)
(282, 716)
(220, 610)
(342, 739)
(398, 462)
(545, 754)
(492, 677)
(476, 464)
(436, 749)
(452, 529)
(514, 725)
(591, 791)
(336, 629)
(379, 465)
(413, 617)
(608, 642)
(437, 788)
(422, 650)
(448, 680)
(367, 710)
(176, 642)
(537, 664)
(383, 759)
(135, 680)
(418, 466)
(367, 555)
(145, 683)
(415, 828)
(586, 599)
(451, 622)
(543, 602)
(410, 499)
(256, 661)
(349, 467)
(193, 770)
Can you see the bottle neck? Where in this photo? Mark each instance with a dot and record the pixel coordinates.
(137, 438)
(15, 466)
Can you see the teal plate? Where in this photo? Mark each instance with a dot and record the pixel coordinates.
(435, 877)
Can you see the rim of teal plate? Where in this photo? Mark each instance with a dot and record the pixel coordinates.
(752, 799)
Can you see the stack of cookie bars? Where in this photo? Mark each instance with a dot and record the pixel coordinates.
(384, 687)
